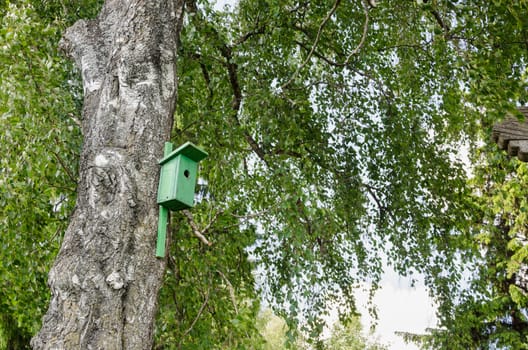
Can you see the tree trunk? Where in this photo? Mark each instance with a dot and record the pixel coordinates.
(106, 278)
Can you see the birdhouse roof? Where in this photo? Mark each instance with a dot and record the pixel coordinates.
(189, 150)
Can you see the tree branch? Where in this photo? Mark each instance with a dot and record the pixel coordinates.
(212, 221)
(63, 166)
(231, 290)
(363, 35)
(387, 93)
(312, 51)
(440, 21)
(245, 37)
(251, 216)
(196, 231)
(381, 208)
(200, 311)
(207, 79)
(232, 70)
(317, 38)
(307, 222)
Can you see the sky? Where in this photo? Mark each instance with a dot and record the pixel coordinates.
(401, 308)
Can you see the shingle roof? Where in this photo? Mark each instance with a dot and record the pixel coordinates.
(512, 135)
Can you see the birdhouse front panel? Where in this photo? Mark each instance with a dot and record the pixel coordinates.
(178, 176)
(177, 182)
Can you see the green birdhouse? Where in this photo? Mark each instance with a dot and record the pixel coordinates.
(178, 177)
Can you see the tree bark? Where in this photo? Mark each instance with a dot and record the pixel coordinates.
(106, 278)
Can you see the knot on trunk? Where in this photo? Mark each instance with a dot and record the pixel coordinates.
(115, 280)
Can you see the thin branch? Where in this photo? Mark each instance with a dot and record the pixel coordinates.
(389, 95)
(207, 79)
(317, 38)
(385, 90)
(346, 62)
(205, 73)
(251, 216)
(288, 153)
(232, 69)
(363, 35)
(248, 35)
(66, 169)
(231, 290)
(353, 53)
(421, 47)
(48, 241)
(301, 208)
(212, 221)
(202, 308)
(440, 21)
(195, 229)
(381, 208)
(30, 68)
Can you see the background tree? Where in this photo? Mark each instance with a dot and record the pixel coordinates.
(341, 337)
(490, 311)
(346, 118)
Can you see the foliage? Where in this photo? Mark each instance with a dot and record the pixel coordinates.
(341, 337)
(208, 300)
(349, 337)
(338, 146)
(273, 329)
(491, 310)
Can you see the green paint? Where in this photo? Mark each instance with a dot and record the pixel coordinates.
(176, 186)
(162, 231)
(163, 216)
(178, 177)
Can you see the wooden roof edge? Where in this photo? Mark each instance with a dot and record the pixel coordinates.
(512, 135)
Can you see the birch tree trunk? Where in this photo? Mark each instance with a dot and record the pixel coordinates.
(105, 279)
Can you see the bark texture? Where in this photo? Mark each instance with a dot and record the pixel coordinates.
(105, 280)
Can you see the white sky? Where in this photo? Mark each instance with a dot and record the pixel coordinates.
(400, 308)
(219, 4)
